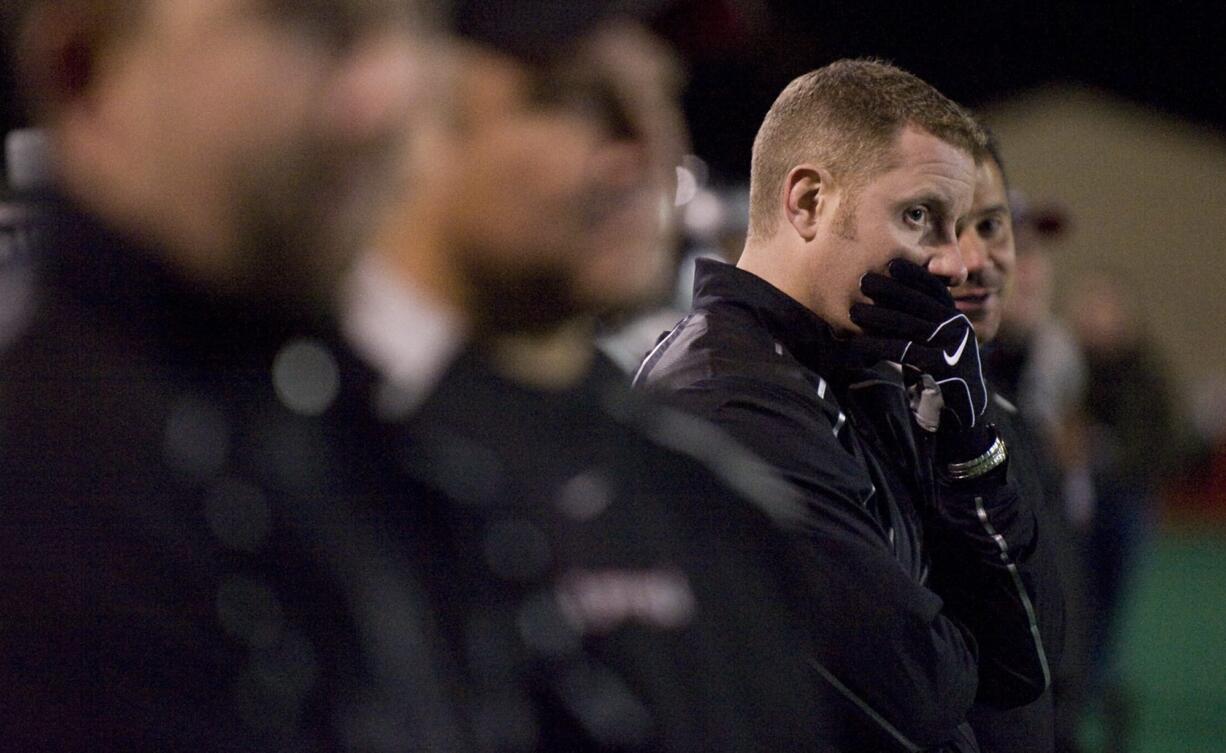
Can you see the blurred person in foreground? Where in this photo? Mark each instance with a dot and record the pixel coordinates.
(861, 176)
(623, 584)
(986, 241)
(188, 558)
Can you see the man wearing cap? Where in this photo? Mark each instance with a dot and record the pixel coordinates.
(626, 585)
(189, 553)
(834, 350)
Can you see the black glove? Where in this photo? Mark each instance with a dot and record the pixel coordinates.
(913, 321)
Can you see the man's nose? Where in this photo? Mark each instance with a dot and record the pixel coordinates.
(946, 261)
(974, 255)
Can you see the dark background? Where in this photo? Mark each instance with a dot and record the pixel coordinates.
(740, 54)
(1167, 56)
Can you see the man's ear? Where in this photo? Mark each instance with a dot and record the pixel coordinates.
(806, 198)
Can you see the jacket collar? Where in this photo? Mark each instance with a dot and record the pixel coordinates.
(802, 333)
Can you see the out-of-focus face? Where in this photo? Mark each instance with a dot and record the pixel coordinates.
(561, 179)
(255, 136)
(910, 211)
(986, 242)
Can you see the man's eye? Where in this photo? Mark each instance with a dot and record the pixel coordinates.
(916, 216)
(988, 228)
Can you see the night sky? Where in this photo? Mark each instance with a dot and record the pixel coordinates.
(740, 53)
(1170, 58)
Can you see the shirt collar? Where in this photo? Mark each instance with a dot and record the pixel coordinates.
(801, 332)
(399, 331)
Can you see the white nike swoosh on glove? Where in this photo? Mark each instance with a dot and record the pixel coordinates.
(957, 355)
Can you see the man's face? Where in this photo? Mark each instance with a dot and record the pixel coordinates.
(258, 133)
(560, 180)
(987, 248)
(911, 210)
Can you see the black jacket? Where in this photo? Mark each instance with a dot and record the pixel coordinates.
(664, 539)
(190, 557)
(1031, 728)
(924, 595)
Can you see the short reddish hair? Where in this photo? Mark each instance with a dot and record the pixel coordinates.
(845, 116)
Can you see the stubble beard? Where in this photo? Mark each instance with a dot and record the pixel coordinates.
(291, 247)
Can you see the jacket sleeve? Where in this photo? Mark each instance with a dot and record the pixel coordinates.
(888, 645)
(983, 539)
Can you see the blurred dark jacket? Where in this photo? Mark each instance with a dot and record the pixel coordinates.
(190, 557)
(666, 542)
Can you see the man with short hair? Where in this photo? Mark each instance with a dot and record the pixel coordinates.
(862, 176)
(626, 587)
(190, 557)
(987, 247)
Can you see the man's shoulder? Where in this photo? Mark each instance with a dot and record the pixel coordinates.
(602, 429)
(139, 537)
(788, 416)
(703, 460)
(637, 500)
(72, 407)
(719, 346)
(76, 387)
